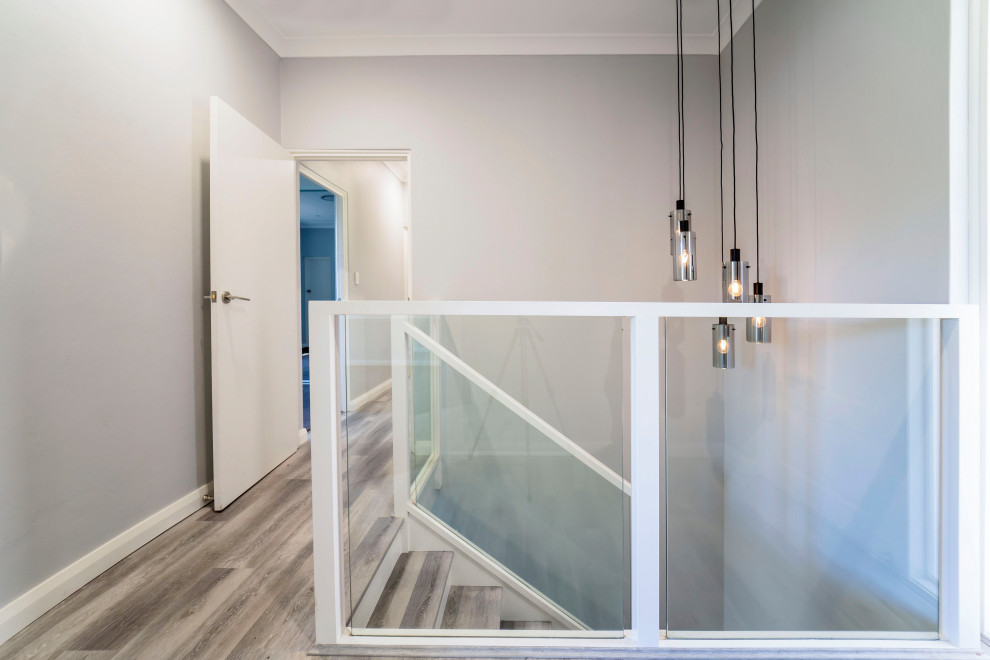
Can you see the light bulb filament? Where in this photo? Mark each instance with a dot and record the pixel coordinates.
(723, 346)
(759, 321)
(735, 289)
(685, 258)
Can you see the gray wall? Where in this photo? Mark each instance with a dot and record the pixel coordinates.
(534, 178)
(854, 149)
(828, 456)
(104, 147)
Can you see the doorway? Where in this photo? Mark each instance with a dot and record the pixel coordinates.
(320, 267)
(370, 256)
(371, 197)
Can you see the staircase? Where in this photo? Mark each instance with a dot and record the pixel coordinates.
(418, 594)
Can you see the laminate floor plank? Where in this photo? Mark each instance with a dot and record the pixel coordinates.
(223, 629)
(286, 624)
(371, 551)
(473, 608)
(366, 462)
(413, 592)
(179, 619)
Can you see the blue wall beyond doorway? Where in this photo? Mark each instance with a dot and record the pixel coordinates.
(315, 243)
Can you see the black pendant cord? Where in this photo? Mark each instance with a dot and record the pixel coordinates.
(678, 6)
(721, 142)
(680, 49)
(756, 138)
(732, 103)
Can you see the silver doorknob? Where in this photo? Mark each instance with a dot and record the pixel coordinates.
(227, 297)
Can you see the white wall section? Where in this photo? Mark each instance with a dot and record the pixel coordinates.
(104, 146)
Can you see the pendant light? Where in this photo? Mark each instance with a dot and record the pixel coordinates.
(682, 239)
(723, 344)
(757, 327)
(735, 271)
(723, 334)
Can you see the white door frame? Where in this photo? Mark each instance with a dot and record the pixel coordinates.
(341, 239)
(342, 283)
(304, 155)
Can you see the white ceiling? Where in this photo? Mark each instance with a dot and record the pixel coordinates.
(329, 28)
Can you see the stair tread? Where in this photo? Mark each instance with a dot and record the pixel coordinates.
(525, 625)
(413, 593)
(474, 608)
(370, 552)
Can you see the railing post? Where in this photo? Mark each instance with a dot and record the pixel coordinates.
(959, 601)
(645, 458)
(400, 417)
(327, 464)
(435, 406)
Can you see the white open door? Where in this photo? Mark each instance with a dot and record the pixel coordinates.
(254, 347)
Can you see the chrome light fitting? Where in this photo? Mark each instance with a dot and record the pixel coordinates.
(735, 277)
(757, 327)
(723, 353)
(723, 344)
(682, 239)
(735, 271)
(682, 244)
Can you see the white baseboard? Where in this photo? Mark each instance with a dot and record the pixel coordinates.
(21, 611)
(302, 437)
(364, 399)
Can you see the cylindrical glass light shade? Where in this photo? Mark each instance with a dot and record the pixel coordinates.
(735, 278)
(684, 257)
(758, 327)
(723, 344)
(677, 216)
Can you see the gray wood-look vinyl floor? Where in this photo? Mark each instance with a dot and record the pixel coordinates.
(231, 584)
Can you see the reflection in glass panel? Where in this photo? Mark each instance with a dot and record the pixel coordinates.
(535, 503)
(533, 507)
(507, 433)
(814, 507)
(366, 419)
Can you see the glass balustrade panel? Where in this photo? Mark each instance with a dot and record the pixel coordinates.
(803, 484)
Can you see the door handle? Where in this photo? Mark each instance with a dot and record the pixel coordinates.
(227, 297)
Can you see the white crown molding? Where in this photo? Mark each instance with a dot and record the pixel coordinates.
(493, 44)
(467, 44)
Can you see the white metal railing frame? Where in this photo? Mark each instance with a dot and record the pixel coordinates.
(960, 598)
